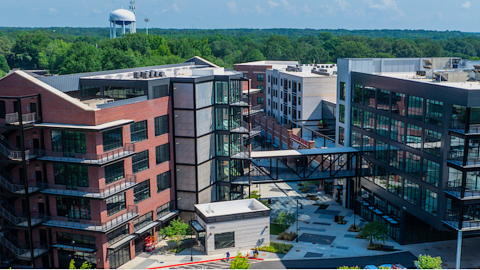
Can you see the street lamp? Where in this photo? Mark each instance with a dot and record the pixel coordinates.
(73, 247)
(191, 236)
(301, 207)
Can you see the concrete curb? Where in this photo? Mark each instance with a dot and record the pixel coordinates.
(207, 261)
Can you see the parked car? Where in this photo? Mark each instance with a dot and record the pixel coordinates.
(370, 266)
(385, 266)
(398, 266)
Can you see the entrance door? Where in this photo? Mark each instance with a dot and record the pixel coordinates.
(41, 208)
(38, 176)
(43, 236)
(36, 144)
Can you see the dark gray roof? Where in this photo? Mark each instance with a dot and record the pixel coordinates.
(71, 82)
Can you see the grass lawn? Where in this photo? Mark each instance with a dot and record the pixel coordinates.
(253, 196)
(277, 248)
(177, 250)
(276, 229)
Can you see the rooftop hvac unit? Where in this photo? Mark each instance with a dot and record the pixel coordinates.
(120, 76)
(136, 74)
(109, 77)
(145, 74)
(161, 74)
(421, 73)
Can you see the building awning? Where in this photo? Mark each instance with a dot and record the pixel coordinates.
(268, 140)
(168, 216)
(196, 226)
(66, 247)
(122, 242)
(275, 145)
(338, 187)
(329, 180)
(148, 227)
(97, 128)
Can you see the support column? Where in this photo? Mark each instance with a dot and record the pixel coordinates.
(459, 249)
(123, 28)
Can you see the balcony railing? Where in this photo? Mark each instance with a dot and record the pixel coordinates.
(13, 185)
(253, 110)
(461, 127)
(242, 102)
(455, 189)
(468, 222)
(241, 152)
(13, 119)
(21, 251)
(456, 157)
(93, 159)
(94, 193)
(9, 212)
(255, 131)
(95, 226)
(239, 127)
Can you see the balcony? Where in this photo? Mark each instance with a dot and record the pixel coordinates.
(454, 188)
(28, 119)
(241, 153)
(461, 128)
(253, 110)
(457, 157)
(92, 193)
(239, 127)
(20, 250)
(469, 223)
(240, 102)
(87, 159)
(9, 212)
(93, 226)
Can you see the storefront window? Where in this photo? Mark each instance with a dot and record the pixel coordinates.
(224, 240)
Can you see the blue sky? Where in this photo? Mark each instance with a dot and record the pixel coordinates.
(318, 14)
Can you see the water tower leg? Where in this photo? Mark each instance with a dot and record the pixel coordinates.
(123, 28)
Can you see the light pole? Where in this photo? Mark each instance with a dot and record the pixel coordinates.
(191, 236)
(147, 20)
(73, 247)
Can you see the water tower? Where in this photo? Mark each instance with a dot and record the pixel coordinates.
(123, 18)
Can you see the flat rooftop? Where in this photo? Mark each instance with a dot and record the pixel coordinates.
(230, 207)
(412, 76)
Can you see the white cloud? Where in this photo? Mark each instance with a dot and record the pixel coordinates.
(305, 8)
(52, 10)
(272, 4)
(259, 9)
(97, 11)
(289, 7)
(175, 7)
(233, 7)
(344, 5)
(385, 5)
(467, 5)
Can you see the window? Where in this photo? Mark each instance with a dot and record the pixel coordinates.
(357, 94)
(164, 181)
(118, 234)
(141, 191)
(398, 103)
(164, 209)
(368, 145)
(395, 184)
(433, 142)
(412, 165)
(268, 90)
(269, 78)
(341, 135)
(83, 241)
(116, 204)
(342, 91)
(224, 240)
(261, 87)
(112, 139)
(69, 142)
(73, 209)
(356, 140)
(342, 113)
(119, 257)
(410, 192)
(415, 107)
(382, 125)
(357, 115)
(431, 172)
(160, 91)
(299, 87)
(368, 121)
(396, 157)
(162, 153)
(142, 221)
(260, 100)
(381, 151)
(161, 125)
(434, 113)
(369, 96)
(383, 100)
(429, 201)
(414, 137)
(380, 177)
(3, 110)
(299, 101)
(140, 162)
(397, 132)
(138, 131)
(379, 202)
(114, 172)
(71, 175)
(260, 77)
(117, 92)
(367, 170)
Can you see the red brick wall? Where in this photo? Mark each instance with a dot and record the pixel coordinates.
(250, 71)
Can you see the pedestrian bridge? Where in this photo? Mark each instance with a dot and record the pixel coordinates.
(299, 165)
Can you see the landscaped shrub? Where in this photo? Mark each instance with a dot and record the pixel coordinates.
(274, 247)
(287, 236)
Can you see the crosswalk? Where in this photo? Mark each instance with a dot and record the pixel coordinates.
(210, 265)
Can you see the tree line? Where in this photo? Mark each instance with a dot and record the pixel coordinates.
(70, 50)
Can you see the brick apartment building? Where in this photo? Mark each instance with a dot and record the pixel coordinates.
(98, 162)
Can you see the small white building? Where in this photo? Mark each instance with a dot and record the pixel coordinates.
(223, 227)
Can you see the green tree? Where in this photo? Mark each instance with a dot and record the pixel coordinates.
(428, 262)
(52, 56)
(82, 57)
(177, 230)
(278, 47)
(118, 59)
(72, 265)
(240, 262)
(254, 55)
(286, 218)
(85, 265)
(4, 65)
(349, 267)
(375, 231)
(26, 50)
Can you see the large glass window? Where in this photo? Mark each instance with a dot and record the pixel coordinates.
(398, 103)
(140, 161)
(429, 201)
(142, 221)
(458, 117)
(223, 168)
(224, 240)
(395, 182)
(383, 100)
(342, 113)
(368, 145)
(79, 240)
(164, 209)
(381, 151)
(434, 112)
(222, 142)
(341, 135)
(431, 172)
(368, 121)
(415, 107)
(119, 257)
(162, 125)
(74, 209)
(221, 118)
(141, 191)
(410, 192)
(397, 131)
(160, 91)
(138, 131)
(114, 172)
(342, 91)
(162, 153)
(368, 170)
(164, 181)
(118, 234)
(414, 137)
(412, 165)
(69, 142)
(118, 92)
(116, 204)
(433, 142)
(356, 140)
(357, 93)
(112, 139)
(221, 92)
(369, 96)
(357, 115)
(382, 125)
(380, 177)
(71, 175)
(396, 157)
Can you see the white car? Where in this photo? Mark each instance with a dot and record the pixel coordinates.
(370, 266)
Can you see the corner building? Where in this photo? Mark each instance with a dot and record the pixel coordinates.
(95, 163)
(416, 122)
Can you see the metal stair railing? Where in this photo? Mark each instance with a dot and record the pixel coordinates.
(9, 182)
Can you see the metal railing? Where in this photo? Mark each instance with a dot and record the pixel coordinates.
(98, 159)
(239, 126)
(98, 193)
(243, 101)
(468, 222)
(9, 212)
(454, 188)
(256, 131)
(457, 157)
(240, 152)
(13, 119)
(253, 110)
(461, 127)
(89, 225)
(20, 250)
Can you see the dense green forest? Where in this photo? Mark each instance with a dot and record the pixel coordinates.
(71, 50)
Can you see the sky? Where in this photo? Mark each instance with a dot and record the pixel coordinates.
(440, 15)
